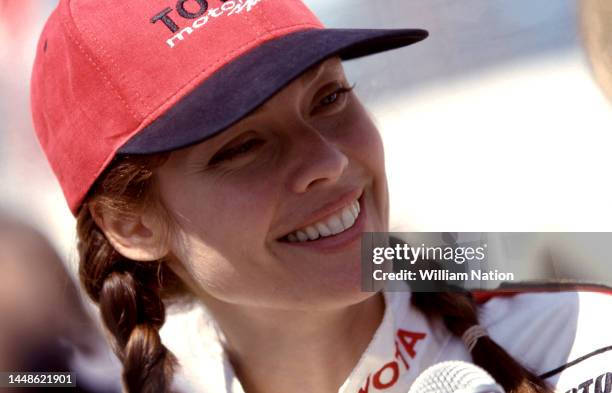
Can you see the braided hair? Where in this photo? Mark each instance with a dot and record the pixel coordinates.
(458, 312)
(129, 293)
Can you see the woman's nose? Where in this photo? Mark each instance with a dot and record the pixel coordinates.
(317, 161)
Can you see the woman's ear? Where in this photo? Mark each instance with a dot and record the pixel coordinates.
(139, 236)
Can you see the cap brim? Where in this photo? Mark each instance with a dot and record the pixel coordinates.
(224, 98)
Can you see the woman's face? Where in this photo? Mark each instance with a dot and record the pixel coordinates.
(309, 160)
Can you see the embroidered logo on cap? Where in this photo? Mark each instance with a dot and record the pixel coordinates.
(201, 16)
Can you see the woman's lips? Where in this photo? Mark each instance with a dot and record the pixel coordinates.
(339, 240)
(327, 211)
(333, 224)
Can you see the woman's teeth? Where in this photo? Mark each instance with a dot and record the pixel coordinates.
(332, 225)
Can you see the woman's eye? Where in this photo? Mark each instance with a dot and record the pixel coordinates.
(334, 97)
(330, 99)
(235, 151)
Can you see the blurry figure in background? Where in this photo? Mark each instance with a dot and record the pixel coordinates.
(44, 324)
(13, 13)
(596, 20)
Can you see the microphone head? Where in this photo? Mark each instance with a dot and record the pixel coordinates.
(455, 377)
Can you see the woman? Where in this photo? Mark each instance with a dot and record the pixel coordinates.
(214, 151)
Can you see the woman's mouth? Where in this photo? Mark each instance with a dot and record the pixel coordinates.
(330, 226)
(334, 232)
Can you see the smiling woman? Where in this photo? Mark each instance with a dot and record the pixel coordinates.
(299, 161)
(237, 183)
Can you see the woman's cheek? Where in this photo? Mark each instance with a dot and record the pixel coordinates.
(362, 138)
(216, 269)
(367, 148)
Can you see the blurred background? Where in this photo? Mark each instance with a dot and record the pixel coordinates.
(494, 123)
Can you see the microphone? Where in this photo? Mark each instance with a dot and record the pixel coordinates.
(455, 377)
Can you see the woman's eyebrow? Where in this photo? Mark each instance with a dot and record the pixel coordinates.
(328, 67)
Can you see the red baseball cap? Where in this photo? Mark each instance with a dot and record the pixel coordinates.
(147, 76)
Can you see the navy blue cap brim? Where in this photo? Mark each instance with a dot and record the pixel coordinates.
(222, 100)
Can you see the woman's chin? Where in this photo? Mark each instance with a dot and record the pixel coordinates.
(335, 292)
(327, 301)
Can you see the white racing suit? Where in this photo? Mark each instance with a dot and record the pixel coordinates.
(566, 337)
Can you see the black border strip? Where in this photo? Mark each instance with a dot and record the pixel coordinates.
(574, 362)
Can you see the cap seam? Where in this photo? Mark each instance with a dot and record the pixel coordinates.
(90, 58)
(106, 54)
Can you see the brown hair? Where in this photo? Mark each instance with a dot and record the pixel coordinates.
(129, 293)
(459, 313)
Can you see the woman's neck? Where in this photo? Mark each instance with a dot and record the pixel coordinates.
(280, 351)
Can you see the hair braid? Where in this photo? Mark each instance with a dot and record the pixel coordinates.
(459, 312)
(129, 293)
